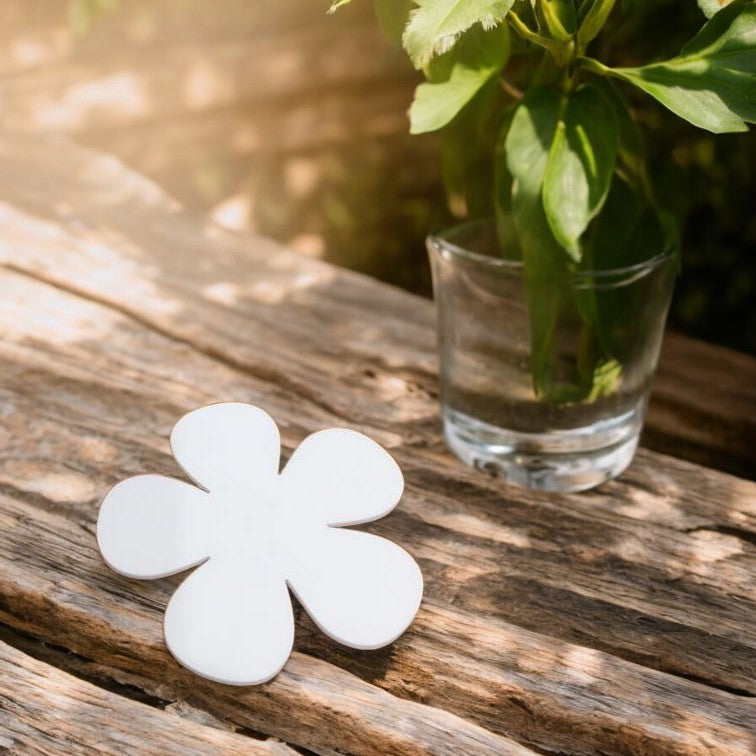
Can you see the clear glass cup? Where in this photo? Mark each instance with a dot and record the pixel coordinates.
(563, 414)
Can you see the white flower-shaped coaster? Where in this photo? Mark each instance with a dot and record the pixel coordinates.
(255, 531)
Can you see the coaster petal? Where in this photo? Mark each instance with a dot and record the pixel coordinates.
(229, 626)
(151, 526)
(360, 589)
(248, 531)
(342, 477)
(227, 447)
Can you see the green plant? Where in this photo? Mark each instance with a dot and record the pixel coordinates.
(539, 133)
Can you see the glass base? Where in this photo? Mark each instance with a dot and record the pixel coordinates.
(556, 460)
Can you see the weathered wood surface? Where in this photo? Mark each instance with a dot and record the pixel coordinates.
(137, 66)
(703, 407)
(45, 710)
(616, 621)
(228, 105)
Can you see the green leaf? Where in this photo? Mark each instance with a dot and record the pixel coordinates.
(456, 76)
(580, 166)
(525, 28)
(563, 371)
(632, 167)
(627, 232)
(631, 148)
(558, 16)
(436, 25)
(606, 378)
(561, 153)
(583, 7)
(711, 83)
(710, 7)
(732, 32)
(525, 12)
(506, 230)
(525, 9)
(526, 147)
(594, 21)
(393, 16)
(467, 154)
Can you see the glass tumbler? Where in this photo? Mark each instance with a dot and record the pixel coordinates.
(544, 382)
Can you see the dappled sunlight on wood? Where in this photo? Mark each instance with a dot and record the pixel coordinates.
(51, 707)
(710, 546)
(62, 485)
(311, 245)
(271, 290)
(640, 507)
(473, 525)
(120, 95)
(615, 621)
(96, 451)
(223, 292)
(302, 176)
(116, 271)
(246, 113)
(35, 50)
(670, 504)
(54, 321)
(234, 213)
(205, 85)
(584, 664)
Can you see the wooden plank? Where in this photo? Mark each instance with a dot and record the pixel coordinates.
(214, 100)
(314, 703)
(106, 88)
(702, 406)
(121, 84)
(45, 710)
(37, 33)
(248, 113)
(306, 125)
(705, 395)
(556, 695)
(568, 622)
(258, 165)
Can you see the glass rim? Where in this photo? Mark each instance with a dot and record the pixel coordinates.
(438, 243)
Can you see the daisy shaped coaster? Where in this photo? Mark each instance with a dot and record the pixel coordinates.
(253, 533)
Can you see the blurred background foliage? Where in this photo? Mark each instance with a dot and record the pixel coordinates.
(708, 182)
(272, 117)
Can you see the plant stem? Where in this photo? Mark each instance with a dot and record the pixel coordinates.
(510, 89)
(526, 32)
(594, 66)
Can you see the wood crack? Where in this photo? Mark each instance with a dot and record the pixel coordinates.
(272, 376)
(77, 665)
(113, 680)
(38, 681)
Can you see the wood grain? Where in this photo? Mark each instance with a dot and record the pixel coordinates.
(615, 621)
(695, 383)
(43, 710)
(703, 398)
(555, 695)
(312, 703)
